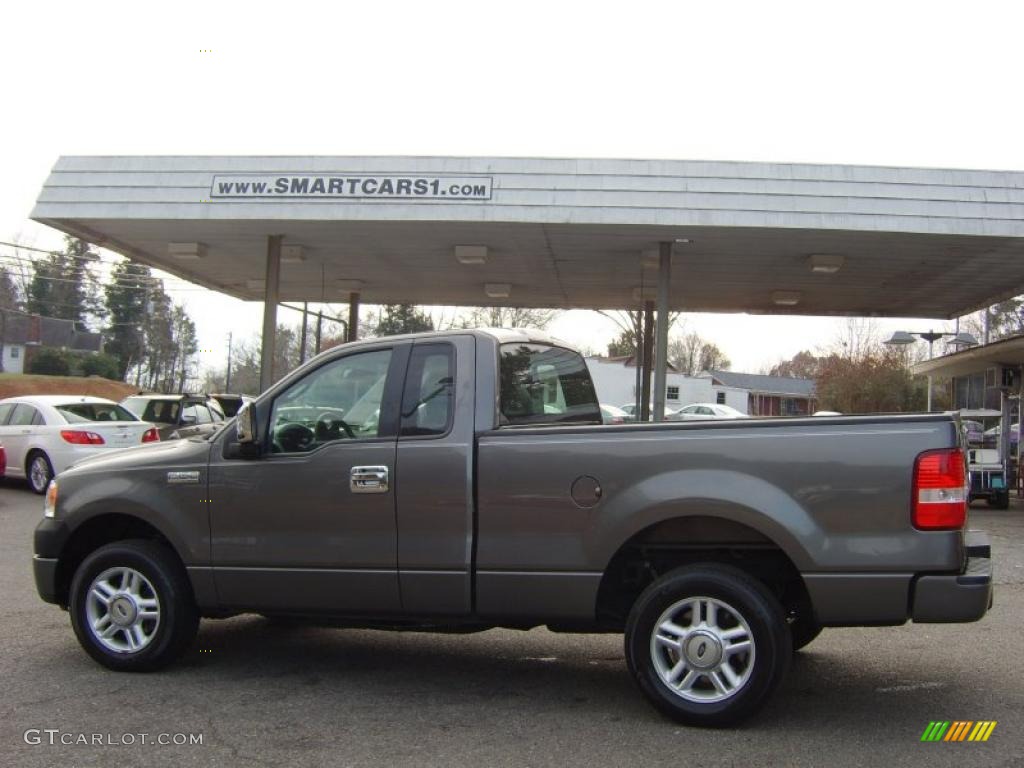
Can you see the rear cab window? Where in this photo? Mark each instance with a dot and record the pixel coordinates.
(427, 400)
(540, 384)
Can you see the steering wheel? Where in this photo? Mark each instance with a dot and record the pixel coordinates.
(294, 438)
(331, 421)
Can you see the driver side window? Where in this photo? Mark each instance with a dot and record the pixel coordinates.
(338, 401)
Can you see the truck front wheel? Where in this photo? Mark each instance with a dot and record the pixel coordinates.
(707, 644)
(132, 606)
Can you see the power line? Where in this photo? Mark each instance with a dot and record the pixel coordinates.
(126, 282)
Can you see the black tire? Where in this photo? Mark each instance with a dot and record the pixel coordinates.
(44, 476)
(732, 589)
(804, 632)
(178, 620)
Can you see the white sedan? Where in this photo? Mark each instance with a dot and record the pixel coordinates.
(709, 411)
(46, 434)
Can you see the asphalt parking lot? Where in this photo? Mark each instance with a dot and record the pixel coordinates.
(265, 695)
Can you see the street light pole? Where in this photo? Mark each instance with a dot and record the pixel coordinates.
(959, 338)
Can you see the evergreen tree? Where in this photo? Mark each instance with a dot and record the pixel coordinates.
(127, 297)
(402, 318)
(63, 284)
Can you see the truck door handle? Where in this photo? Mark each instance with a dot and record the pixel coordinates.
(368, 479)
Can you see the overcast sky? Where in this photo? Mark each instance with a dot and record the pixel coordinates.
(909, 83)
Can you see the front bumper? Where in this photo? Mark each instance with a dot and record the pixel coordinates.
(45, 571)
(49, 540)
(957, 597)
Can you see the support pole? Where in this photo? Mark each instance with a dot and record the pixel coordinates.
(302, 336)
(227, 376)
(270, 298)
(646, 359)
(1004, 430)
(353, 316)
(638, 361)
(661, 353)
(931, 344)
(319, 329)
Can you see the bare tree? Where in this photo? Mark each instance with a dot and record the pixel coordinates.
(506, 317)
(691, 354)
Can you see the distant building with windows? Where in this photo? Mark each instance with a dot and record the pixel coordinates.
(769, 395)
(615, 380)
(22, 334)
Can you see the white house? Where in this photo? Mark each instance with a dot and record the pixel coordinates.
(615, 381)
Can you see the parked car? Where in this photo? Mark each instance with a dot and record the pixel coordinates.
(462, 480)
(229, 404)
(45, 434)
(704, 411)
(612, 415)
(630, 409)
(177, 416)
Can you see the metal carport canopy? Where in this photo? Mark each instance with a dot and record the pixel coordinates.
(754, 237)
(561, 232)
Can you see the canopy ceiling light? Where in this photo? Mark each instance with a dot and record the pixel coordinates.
(292, 254)
(471, 254)
(498, 290)
(826, 263)
(186, 251)
(786, 298)
(349, 286)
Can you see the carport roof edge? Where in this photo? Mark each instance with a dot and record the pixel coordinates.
(563, 231)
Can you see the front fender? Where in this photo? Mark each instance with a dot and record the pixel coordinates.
(179, 512)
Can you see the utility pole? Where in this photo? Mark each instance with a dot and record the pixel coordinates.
(227, 377)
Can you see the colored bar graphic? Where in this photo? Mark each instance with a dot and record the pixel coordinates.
(958, 730)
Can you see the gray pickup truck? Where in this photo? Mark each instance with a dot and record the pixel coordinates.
(463, 481)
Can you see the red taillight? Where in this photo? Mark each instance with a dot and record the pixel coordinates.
(151, 435)
(940, 490)
(81, 437)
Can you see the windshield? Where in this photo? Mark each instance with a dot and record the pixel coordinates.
(541, 384)
(78, 413)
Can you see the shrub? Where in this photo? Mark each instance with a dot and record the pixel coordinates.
(50, 362)
(100, 365)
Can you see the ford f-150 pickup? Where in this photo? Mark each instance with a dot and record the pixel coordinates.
(463, 480)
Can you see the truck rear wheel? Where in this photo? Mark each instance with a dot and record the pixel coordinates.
(132, 606)
(707, 644)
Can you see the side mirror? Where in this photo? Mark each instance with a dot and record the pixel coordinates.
(245, 424)
(188, 418)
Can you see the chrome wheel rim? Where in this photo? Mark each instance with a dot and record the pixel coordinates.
(703, 650)
(39, 473)
(122, 610)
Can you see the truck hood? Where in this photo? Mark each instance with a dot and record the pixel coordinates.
(164, 454)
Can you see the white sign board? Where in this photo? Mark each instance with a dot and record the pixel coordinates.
(347, 186)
